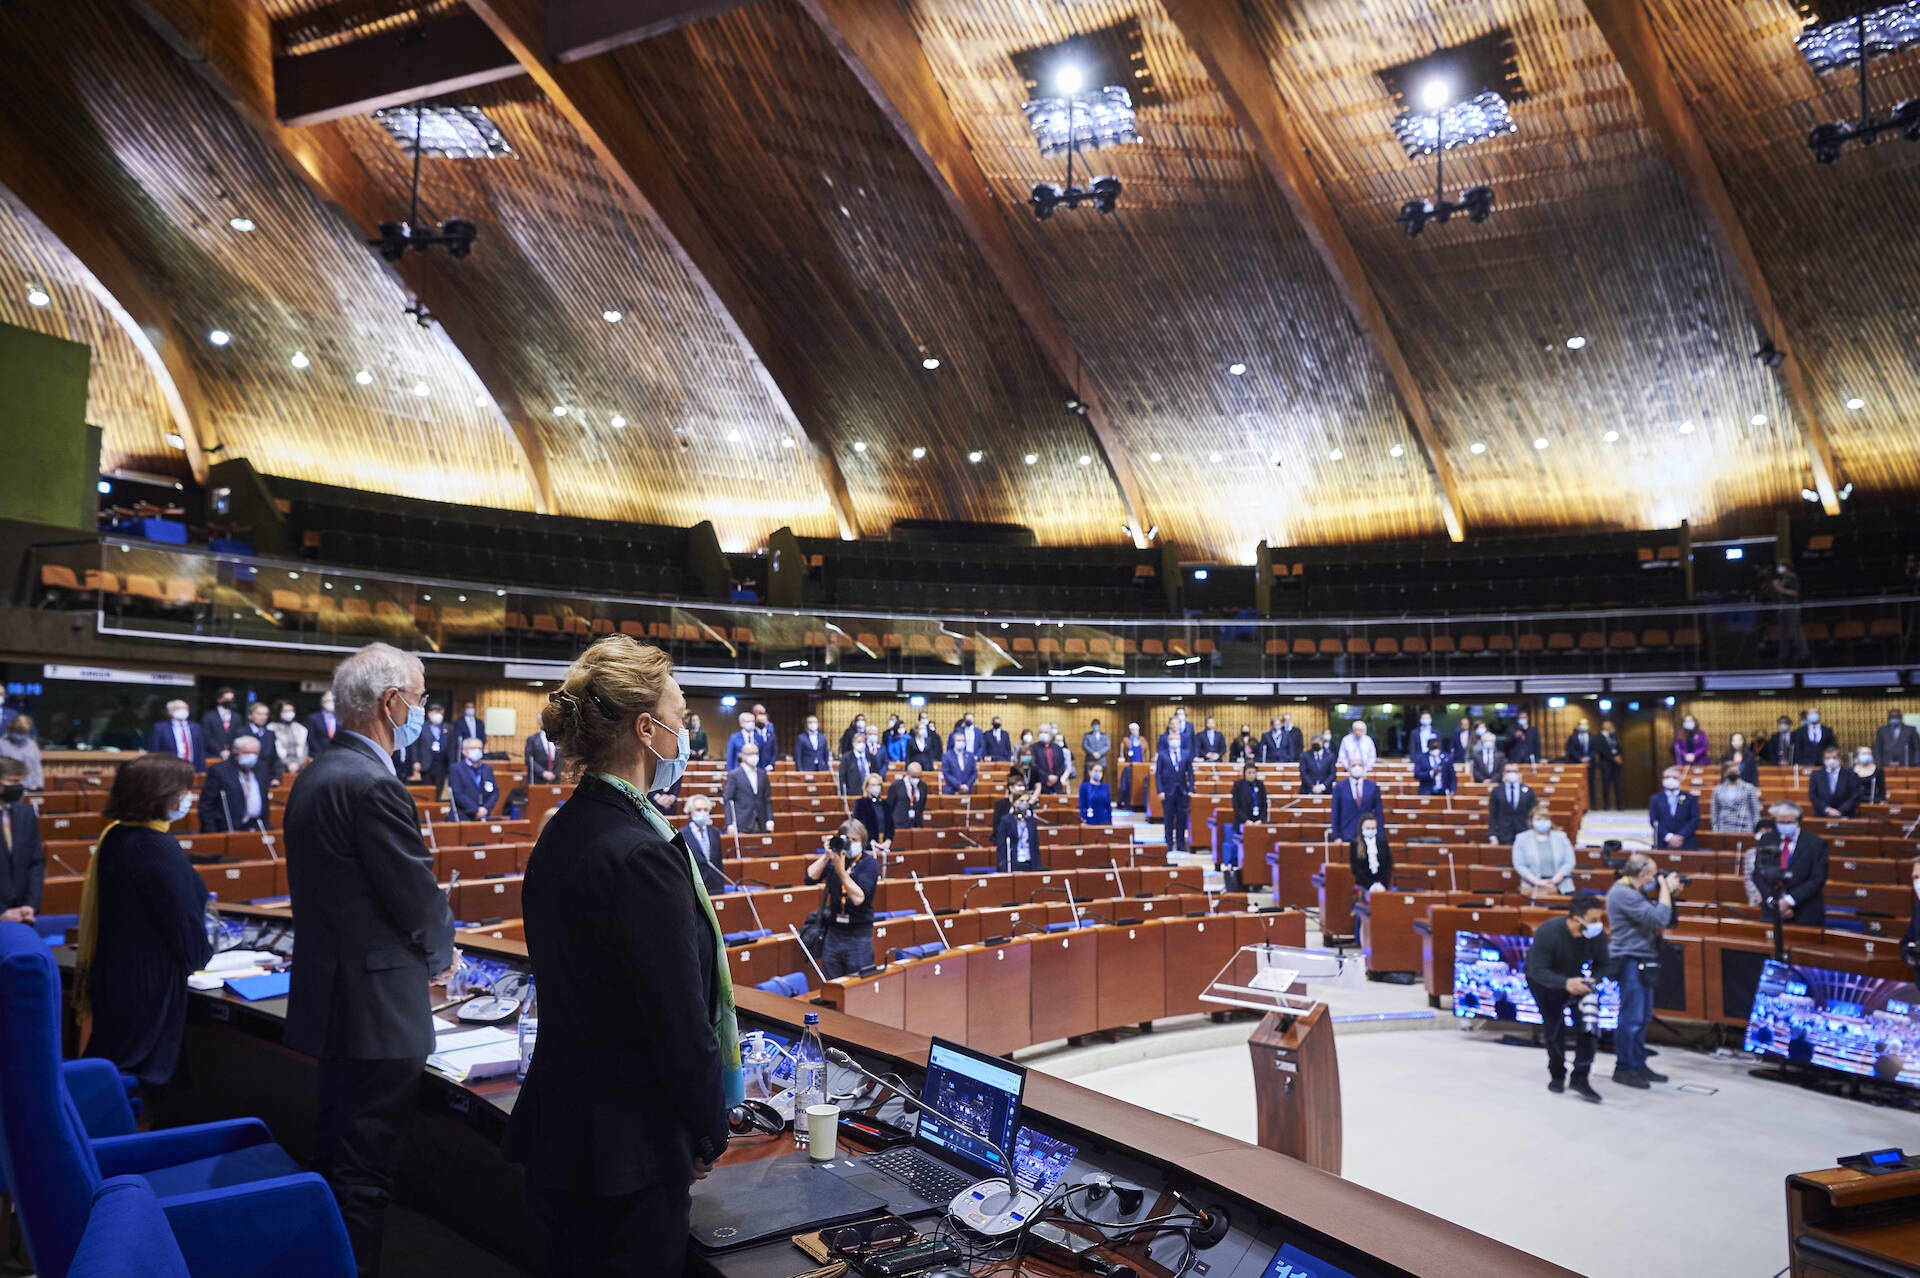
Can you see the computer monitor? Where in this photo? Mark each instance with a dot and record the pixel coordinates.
(1490, 980)
(1843, 1021)
(981, 1091)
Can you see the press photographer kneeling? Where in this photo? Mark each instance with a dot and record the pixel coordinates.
(1635, 925)
(1564, 964)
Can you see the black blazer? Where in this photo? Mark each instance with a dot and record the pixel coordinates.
(24, 869)
(1806, 877)
(317, 739)
(1006, 840)
(1214, 742)
(219, 736)
(374, 925)
(850, 779)
(877, 816)
(433, 753)
(1807, 752)
(1749, 765)
(708, 851)
(748, 802)
(1357, 858)
(1505, 820)
(1843, 795)
(152, 933)
(1524, 745)
(269, 769)
(907, 812)
(1319, 772)
(811, 757)
(626, 1089)
(224, 796)
(1249, 801)
(534, 755)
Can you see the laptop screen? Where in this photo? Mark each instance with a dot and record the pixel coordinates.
(980, 1092)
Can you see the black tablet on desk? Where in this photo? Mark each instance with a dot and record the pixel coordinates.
(744, 1203)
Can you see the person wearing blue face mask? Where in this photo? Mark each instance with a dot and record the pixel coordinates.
(142, 924)
(471, 785)
(235, 795)
(1564, 964)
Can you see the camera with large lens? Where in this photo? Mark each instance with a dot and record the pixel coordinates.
(1588, 1009)
(838, 843)
(1676, 879)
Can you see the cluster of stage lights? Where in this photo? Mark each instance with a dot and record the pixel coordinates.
(1074, 120)
(1853, 40)
(1441, 125)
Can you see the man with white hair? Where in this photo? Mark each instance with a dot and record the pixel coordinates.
(375, 928)
(1357, 747)
(179, 736)
(704, 842)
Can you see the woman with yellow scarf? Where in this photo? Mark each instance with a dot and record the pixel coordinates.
(142, 923)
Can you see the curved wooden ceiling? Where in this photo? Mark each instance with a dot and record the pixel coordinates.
(800, 259)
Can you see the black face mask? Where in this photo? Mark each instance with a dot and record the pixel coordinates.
(12, 793)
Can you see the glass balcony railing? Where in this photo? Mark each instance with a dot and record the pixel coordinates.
(189, 594)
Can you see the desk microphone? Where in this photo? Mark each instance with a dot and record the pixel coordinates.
(58, 860)
(911, 1103)
(922, 894)
(973, 887)
(736, 884)
(795, 932)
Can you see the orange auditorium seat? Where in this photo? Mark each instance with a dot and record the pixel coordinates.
(1413, 645)
(1074, 646)
(1049, 646)
(545, 623)
(1386, 646)
(1203, 647)
(893, 642)
(633, 629)
(1655, 638)
(1622, 639)
(687, 632)
(919, 644)
(59, 576)
(1592, 641)
(1357, 646)
(1276, 647)
(1330, 647)
(742, 635)
(1846, 630)
(1560, 641)
(1817, 632)
(1153, 648)
(1686, 637)
(1444, 644)
(1022, 643)
(814, 639)
(1501, 642)
(142, 586)
(1131, 647)
(1473, 643)
(1884, 628)
(285, 601)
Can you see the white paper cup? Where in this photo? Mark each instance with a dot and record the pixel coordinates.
(823, 1130)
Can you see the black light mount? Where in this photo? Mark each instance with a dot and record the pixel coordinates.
(1476, 201)
(456, 235)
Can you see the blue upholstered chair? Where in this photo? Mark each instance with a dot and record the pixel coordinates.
(131, 1234)
(792, 985)
(907, 953)
(236, 1201)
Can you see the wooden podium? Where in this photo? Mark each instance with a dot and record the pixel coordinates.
(1296, 1085)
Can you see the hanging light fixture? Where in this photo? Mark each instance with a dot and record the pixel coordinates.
(1833, 41)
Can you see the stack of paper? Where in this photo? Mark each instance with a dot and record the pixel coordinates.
(487, 1052)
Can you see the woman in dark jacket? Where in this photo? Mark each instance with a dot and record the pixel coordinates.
(143, 923)
(625, 1103)
(874, 813)
(696, 737)
(1738, 754)
(1371, 861)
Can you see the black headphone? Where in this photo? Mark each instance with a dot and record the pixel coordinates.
(755, 1118)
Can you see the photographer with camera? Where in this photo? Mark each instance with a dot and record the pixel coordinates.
(1563, 967)
(851, 873)
(1635, 925)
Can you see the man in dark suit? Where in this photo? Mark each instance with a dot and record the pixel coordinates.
(1580, 749)
(704, 842)
(1896, 744)
(23, 866)
(1016, 838)
(545, 763)
(1049, 763)
(1173, 780)
(178, 736)
(958, 772)
(966, 737)
(766, 737)
(923, 744)
(1249, 805)
(430, 759)
(235, 794)
(1778, 748)
(1211, 744)
(746, 736)
(1523, 745)
(999, 746)
(1673, 813)
(858, 728)
(1185, 730)
(374, 931)
(1354, 798)
(322, 726)
(1433, 769)
(270, 769)
(1790, 870)
(1424, 733)
(909, 799)
(218, 725)
(1509, 804)
(1461, 743)
(1834, 791)
(1487, 762)
(1317, 768)
(856, 763)
(469, 724)
(1608, 759)
(471, 787)
(812, 752)
(747, 797)
(1810, 741)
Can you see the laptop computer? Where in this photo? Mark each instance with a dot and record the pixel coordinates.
(964, 1089)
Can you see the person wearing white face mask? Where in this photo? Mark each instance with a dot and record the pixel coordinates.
(746, 796)
(875, 813)
(850, 874)
(289, 736)
(1834, 791)
(1790, 870)
(322, 725)
(1873, 782)
(1509, 804)
(704, 842)
(1674, 814)
(142, 923)
(1565, 962)
(471, 788)
(235, 795)
(1810, 741)
(1370, 858)
(1543, 856)
(179, 736)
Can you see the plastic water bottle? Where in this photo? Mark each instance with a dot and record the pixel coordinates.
(529, 1028)
(213, 923)
(809, 1077)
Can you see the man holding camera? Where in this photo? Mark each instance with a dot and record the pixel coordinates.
(1563, 967)
(1635, 925)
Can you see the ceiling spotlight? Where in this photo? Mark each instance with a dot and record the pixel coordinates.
(611, 317)
(1086, 459)
(1856, 404)
(363, 377)
(786, 441)
(1758, 419)
(1335, 455)
(733, 437)
(1397, 451)
(38, 297)
(1476, 449)
(559, 410)
(1540, 443)
(975, 456)
(1434, 94)
(918, 453)
(1686, 428)
(1153, 457)
(1575, 343)
(1846, 490)
(480, 400)
(300, 359)
(1069, 78)
(219, 337)
(859, 445)
(1238, 370)
(618, 422)
(175, 441)
(422, 389)
(1611, 436)
(1031, 458)
(929, 363)
(240, 223)
(1807, 494)
(1214, 458)
(1770, 355)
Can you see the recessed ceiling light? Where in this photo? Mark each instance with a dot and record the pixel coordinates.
(1611, 436)
(1214, 458)
(918, 453)
(102, 487)
(929, 363)
(480, 400)
(859, 445)
(1476, 449)
(1856, 403)
(422, 389)
(363, 377)
(733, 437)
(240, 223)
(1335, 455)
(174, 441)
(1154, 457)
(611, 317)
(1575, 343)
(1758, 419)
(975, 456)
(1086, 459)
(1397, 451)
(1238, 370)
(1031, 458)
(38, 297)
(618, 422)
(559, 410)
(1068, 79)
(1541, 442)
(300, 359)
(787, 442)
(219, 337)
(1434, 93)
(1686, 428)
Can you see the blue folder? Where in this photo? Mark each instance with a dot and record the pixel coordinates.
(255, 988)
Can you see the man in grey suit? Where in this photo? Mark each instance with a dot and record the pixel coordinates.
(374, 930)
(544, 760)
(1488, 759)
(748, 806)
